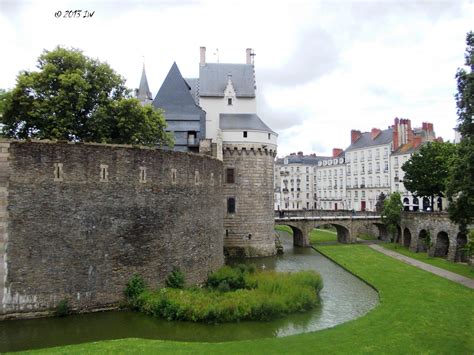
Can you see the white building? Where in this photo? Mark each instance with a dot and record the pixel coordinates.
(331, 183)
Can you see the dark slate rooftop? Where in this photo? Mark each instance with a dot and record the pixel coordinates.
(242, 121)
(365, 141)
(143, 92)
(174, 95)
(407, 149)
(302, 159)
(194, 85)
(213, 79)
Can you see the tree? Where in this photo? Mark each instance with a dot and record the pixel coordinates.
(73, 97)
(380, 202)
(392, 212)
(460, 186)
(427, 170)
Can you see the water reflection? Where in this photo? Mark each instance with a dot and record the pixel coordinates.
(344, 297)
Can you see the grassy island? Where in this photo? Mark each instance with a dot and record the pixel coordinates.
(234, 294)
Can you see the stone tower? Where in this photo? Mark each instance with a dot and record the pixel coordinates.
(227, 93)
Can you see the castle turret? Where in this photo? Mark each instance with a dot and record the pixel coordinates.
(143, 92)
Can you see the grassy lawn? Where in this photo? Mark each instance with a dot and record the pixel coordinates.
(284, 229)
(366, 236)
(418, 313)
(461, 269)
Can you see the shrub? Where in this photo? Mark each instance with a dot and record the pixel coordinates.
(233, 277)
(271, 295)
(63, 308)
(175, 279)
(134, 288)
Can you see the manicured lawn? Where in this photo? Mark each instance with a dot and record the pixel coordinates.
(322, 235)
(418, 313)
(461, 269)
(284, 229)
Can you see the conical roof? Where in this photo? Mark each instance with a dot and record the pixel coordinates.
(174, 95)
(144, 92)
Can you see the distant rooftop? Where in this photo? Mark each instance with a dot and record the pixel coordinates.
(242, 121)
(384, 137)
(213, 79)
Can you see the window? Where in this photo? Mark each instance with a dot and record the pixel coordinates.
(231, 205)
(230, 175)
(58, 172)
(173, 176)
(229, 101)
(385, 167)
(142, 174)
(196, 177)
(245, 134)
(269, 136)
(396, 162)
(104, 174)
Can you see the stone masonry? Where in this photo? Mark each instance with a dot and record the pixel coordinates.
(78, 220)
(250, 230)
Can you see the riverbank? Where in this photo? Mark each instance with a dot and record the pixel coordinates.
(418, 313)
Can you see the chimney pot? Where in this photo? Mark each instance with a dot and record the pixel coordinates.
(249, 55)
(374, 133)
(355, 135)
(336, 152)
(202, 59)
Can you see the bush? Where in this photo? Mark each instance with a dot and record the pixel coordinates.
(266, 295)
(175, 279)
(234, 278)
(134, 288)
(63, 308)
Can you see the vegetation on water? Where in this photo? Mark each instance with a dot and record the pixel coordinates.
(175, 279)
(233, 294)
(135, 286)
(411, 301)
(458, 268)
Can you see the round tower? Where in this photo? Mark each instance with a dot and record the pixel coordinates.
(248, 194)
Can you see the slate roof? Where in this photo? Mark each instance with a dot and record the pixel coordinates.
(407, 149)
(365, 141)
(174, 96)
(242, 121)
(194, 85)
(301, 159)
(143, 92)
(213, 79)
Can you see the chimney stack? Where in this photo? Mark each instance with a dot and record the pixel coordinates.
(336, 152)
(374, 133)
(249, 55)
(202, 59)
(300, 154)
(416, 141)
(355, 135)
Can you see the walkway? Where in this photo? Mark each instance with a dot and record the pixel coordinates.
(427, 267)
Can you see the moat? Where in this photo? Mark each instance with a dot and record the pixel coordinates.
(344, 297)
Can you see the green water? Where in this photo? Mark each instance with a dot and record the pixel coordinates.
(344, 297)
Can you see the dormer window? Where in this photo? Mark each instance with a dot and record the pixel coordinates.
(229, 101)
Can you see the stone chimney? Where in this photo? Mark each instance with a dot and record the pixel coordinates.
(202, 59)
(417, 141)
(249, 55)
(355, 135)
(374, 133)
(300, 154)
(336, 152)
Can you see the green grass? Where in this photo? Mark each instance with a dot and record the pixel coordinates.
(419, 313)
(233, 295)
(366, 236)
(461, 269)
(282, 228)
(322, 236)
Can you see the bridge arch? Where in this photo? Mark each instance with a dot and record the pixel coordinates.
(423, 241)
(442, 244)
(406, 237)
(343, 233)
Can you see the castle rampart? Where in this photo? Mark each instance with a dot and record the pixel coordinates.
(78, 220)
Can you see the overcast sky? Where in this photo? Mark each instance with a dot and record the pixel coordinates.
(323, 68)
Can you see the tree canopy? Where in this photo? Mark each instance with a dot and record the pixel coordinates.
(427, 171)
(460, 185)
(73, 97)
(392, 212)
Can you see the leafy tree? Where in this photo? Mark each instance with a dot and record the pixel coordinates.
(74, 97)
(460, 187)
(392, 212)
(4, 97)
(380, 202)
(427, 170)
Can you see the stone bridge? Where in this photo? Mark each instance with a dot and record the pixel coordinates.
(348, 224)
(431, 232)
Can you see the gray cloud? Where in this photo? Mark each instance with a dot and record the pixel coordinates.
(315, 54)
(279, 119)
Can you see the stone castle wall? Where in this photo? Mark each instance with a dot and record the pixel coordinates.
(78, 220)
(250, 230)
